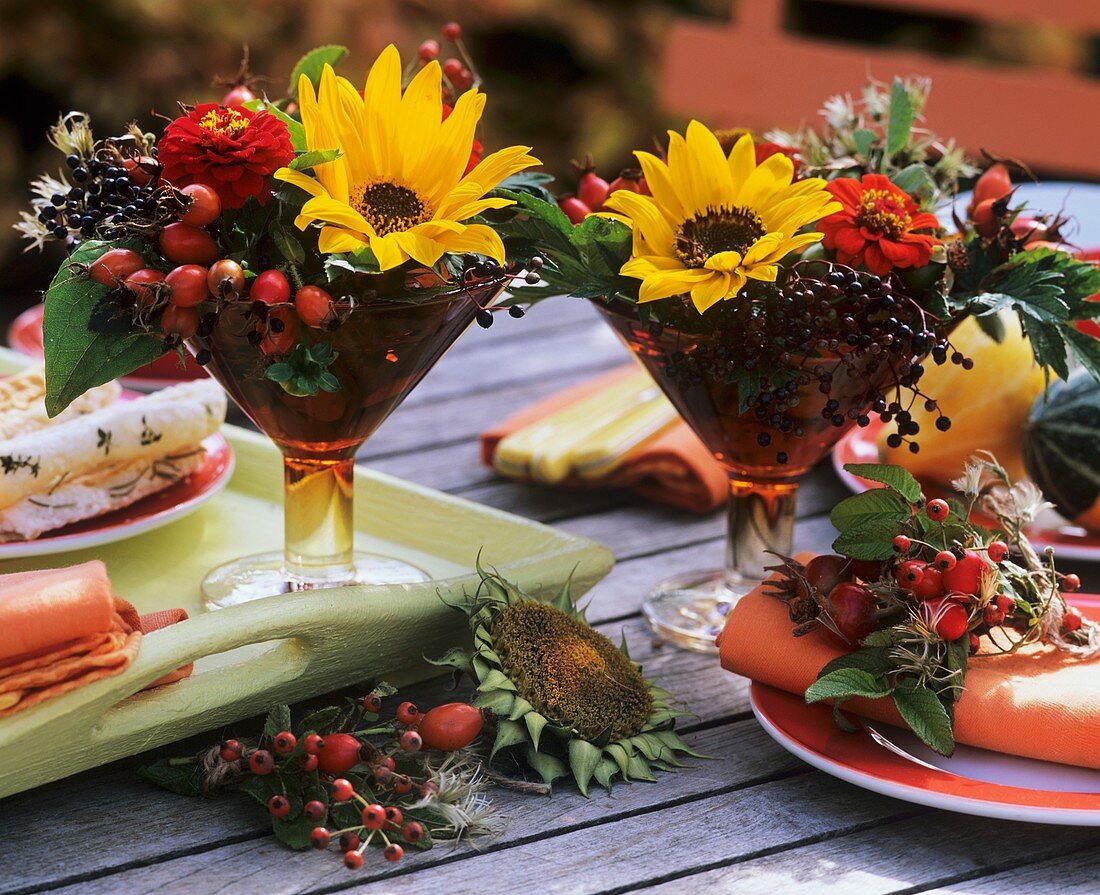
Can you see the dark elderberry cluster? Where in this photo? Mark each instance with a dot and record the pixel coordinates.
(111, 197)
(825, 334)
(488, 269)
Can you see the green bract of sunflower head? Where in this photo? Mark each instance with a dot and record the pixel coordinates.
(564, 695)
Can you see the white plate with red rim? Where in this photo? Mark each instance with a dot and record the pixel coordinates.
(895, 763)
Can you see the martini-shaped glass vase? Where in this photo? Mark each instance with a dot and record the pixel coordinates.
(689, 610)
(382, 350)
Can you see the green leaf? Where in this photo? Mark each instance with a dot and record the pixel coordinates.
(867, 523)
(873, 660)
(278, 720)
(1086, 349)
(86, 342)
(583, 759)
(535, 723)
(922, 710)
(915, 179)
(533, 182)
(546, 766)
(605, 772)
(897, 477)
(320, 721)
(315, 157)
(288, 245)
(901, 118)
(341, 264)
(312, 64)
(509, 733)
(280, 372)
(864, 140)
(844, 683)
(175, 775)
(303, 371)
(456, 658)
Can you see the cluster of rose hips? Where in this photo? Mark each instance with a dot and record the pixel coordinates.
(593, 191)
(990, 215)
(445, 728)
(458, 70)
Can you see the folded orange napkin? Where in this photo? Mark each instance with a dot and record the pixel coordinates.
(1039, 703)
(671, 467)
(63, 628)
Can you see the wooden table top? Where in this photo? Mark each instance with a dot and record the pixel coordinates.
(752, 818)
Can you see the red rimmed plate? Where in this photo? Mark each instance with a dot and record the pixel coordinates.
(25, 336)
(1024, 789)
(174, 502)
(1069, 540)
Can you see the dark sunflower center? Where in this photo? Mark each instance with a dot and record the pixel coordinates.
(390, 207)
(573, 675)
(718, 229)
(883, 212)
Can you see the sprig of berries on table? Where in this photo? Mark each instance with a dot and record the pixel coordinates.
(918, 589)
(344, 776)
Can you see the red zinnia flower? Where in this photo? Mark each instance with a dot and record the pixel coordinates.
(877, 225)
(231, 150)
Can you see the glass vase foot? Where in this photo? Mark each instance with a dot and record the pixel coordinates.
(690, 610)
(267, 575)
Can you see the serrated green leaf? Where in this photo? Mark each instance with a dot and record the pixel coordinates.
(901, 118)
(278, 720)
(183, 778)
(873, 660)
(844, 683)
(320, 721)
(288, 245)
(583, 759)
(922, 710)
(312, 158)
(312, 64)
(867, 523)
(884, 637)
(897, 477)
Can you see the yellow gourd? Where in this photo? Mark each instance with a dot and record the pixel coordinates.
(987, 405)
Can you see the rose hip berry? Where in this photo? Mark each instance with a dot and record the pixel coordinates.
(902, 544)
(937, 510)
(231, 750)
(284, 742)
(188, 245)
(429, 50)
(826, 571)
(115, 265)
(1071, 621)
(965, 577)
(402, 785)
(997, 551)
(271, 287)
(314, 810)
(930, 587)
(852, 609)
(313, 743)
(341, 790)
(393, 852)
(909, 573)
(394, 816)
(452, 68)
(373, 816)
(309, 762)
(413, 832)
(451, 726)
(451, 31)
(238, 96)
(261, 763)
(225, 279)
(339, 753)
(408, 714)
(188, 285)
(205, 207)
(353, 860)
(574, 209)
(319, 838)
(411, 741)
(945, 560)
(951, 619)
(181, 322)
(145, 285)
(278, 806)
(592, 190)
(1004, 602)
(1071, 582)
(349, 841)
(312, 304)
(372, 702)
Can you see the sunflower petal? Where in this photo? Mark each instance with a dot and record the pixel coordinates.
(711, 166)
(710, 291)
(660, 185)
(381, 105)
(742, 162)
(477, 239)
(333, 239)
(418, 135)
(300, 180)
(671, 282)
(496, 166)
(645, 216)
(420, 247)
(388, 251)
(323, 208)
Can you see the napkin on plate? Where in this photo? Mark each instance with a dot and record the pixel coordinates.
(63, 628)
(1039, 703)
(616, 431)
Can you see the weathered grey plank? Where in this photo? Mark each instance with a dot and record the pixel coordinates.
(1076, 872)
(742, 756)
(903, 857)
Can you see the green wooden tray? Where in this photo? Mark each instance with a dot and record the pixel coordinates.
(285, 648)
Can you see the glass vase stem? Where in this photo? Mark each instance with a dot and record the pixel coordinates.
(319, 525)
(761, 519)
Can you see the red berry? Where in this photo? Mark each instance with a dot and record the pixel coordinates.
(402, 785)
(909, 573)
(825, 571)
(930, 586)
(1071, 582)
(950, 619)
(428, 788)
(452, 68)
(341, 789)
(314, 810)
(372, 702)
(937, 510)
(280, 342)
(278, 806)
(349, 841)
(997, 551)
(320, 838)
(231, 750)
(182, 322)
(339, 753)
(946, 560)
(631, 184)
(902, 544)
(261, 763)
(592, 190)
(285, 742)
(992, 615)
(1005, 603)
(866, 569)
(205, 207)
(312, 304)
(188, 245)
(188, 282)
(145, 284)
(309, 762)
(408, 714)
(411, 741)
(985, 219)
(313, 743)
(115, 265)
(141, 170)
(463, 79)
(413, 831)
(271, 287)
(966, 575)
(353, 860)
(388, 763)
(429, 50)
(382, 775)
(451, 31)
(238, 96)
(574, 209)
(393, 852)
(394, 817)
(1071, 621)
(225, 279)
(975, 643)
(373, 816)
(995, 183)
(852, 609)
(451, 726)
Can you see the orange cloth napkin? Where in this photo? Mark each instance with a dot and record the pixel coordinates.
(63, 628)
(1038, 703)
(672, 467)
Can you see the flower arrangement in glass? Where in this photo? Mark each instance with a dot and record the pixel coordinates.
(317, 253)
(782, 292)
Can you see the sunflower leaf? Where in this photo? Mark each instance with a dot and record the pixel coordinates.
(454, 658)
(583, 759)
(639, 770)
(313, 63)
(520, 707)
(509, 733)
(535, 723)
(496, 680)
(546, 766)
(499, 701)
(605, 771)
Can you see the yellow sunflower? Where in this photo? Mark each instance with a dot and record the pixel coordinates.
(714, 222)
(399, 186)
